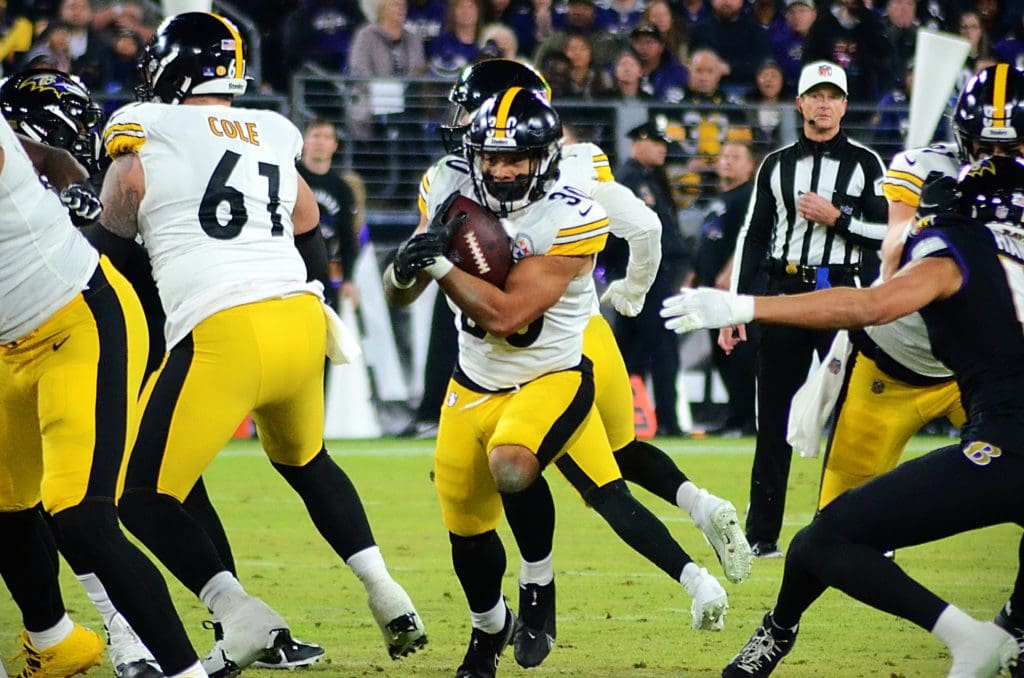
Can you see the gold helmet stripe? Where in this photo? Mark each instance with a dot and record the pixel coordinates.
(239, 60)
(999, 96)
(501, 117)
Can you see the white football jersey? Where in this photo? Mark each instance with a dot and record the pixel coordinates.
(564, 222)
(221, 185)
(906, 339)
(44, 261)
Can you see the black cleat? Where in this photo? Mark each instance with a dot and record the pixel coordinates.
(481, 660)
(1013, 623)
(763, 652)
(535, 632)
(290, 655)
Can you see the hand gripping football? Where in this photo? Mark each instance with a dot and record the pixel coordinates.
(479, 245)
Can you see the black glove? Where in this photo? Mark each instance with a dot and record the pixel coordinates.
(81, 200)
(939, 194)
(444, 229)
(416, 253)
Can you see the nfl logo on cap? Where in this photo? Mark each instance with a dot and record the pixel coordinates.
(822, 73)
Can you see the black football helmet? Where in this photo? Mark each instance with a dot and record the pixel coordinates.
(992, 190)
(192, 54)
(515, 122)
(481, 81)
(990, 113)
(56, 109)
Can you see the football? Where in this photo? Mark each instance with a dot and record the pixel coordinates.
(479, 245)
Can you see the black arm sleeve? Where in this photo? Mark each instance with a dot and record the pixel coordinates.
(348, 244)
(313, 250)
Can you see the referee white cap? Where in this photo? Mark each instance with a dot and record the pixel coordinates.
(819, 73)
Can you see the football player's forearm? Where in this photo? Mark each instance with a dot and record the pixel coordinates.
(402, 296)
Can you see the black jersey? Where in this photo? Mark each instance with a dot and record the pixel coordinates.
(978, 331)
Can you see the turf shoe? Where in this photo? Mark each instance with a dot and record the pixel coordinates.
(128, 655)
(710, 601)
(763, 652)
(765, 549)
(481, 660)
(717, 520)
(290, 655)
(1012, 623)
(990, 650)
(398, 620)
(535, 632)
(246, 632)
(79, 652)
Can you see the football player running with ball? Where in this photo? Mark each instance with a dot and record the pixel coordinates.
(523, 390)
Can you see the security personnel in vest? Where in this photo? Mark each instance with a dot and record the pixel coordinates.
(817, 203)
(648, 348)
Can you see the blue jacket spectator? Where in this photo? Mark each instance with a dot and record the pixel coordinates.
(737, 38)
(425, 18)
(664, 77)
(788, 42)
(320, 31)
(618, 17)
(456, 47)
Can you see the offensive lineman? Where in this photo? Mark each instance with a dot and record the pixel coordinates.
(232, 266)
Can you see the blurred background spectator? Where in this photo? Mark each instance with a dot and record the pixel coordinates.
(579, 17)
(320, 32)
(585, 79)
(498, 41)
(426, 20)
(90, 53)
(659, 13)
(788, 40)
(850, 34)
(456, 47)
(768, 100)
(737, 39)
(663, 77)
(627, 75)
(900, 24)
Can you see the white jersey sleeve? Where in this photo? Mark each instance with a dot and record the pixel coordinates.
(44, 262)
(909, 169)
(905, 339)
(221, 185)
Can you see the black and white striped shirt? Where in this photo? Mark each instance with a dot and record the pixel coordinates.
(843, 171)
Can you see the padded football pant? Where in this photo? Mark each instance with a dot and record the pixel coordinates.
(951, 490)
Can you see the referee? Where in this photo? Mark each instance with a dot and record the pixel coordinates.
(817, 203)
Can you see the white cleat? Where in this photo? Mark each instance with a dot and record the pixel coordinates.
(250, 628)
(398, 620)
(128, 655)
(721, 528)
(710, 602)
(989, 654)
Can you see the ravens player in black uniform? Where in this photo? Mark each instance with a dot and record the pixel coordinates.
(958, 268)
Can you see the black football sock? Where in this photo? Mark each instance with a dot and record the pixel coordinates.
(198, 505)
(650, 468)
(332, 502)
(29, 567)
(638, 527)
(479, 563)
(90, 531)
(531, 517)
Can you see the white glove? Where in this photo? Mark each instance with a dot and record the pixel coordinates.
(706, 307)
(625, 297)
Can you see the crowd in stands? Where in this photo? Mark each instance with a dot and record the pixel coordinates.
(591, 46)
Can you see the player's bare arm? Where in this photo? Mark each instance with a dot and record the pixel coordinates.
(911, 289)
(123, 190)
(533, 286)
(60, 167)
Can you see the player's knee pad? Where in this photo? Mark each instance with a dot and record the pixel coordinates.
(513, 468)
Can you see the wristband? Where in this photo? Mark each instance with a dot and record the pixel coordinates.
(395, 282)
(742, 309)
(440, 268)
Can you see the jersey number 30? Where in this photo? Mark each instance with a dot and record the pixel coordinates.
(218, 191)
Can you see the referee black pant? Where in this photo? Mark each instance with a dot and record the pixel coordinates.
(783, 360)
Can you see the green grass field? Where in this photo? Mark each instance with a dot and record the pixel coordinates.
(617, 614)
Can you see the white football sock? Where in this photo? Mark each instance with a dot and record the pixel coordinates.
(491, 621)
(954, 627)
(688, 577)
(369, 566)
(686, 497)
(221, 592)
(539, 572)
(98, 595)
(44, 640)
(194, 671)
